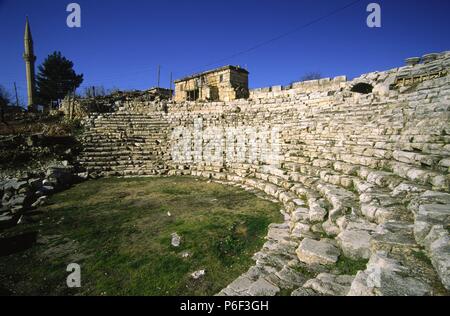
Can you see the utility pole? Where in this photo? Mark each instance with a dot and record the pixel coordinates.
(71, 104)
(170, 87)
(17, 98)
(159, 74)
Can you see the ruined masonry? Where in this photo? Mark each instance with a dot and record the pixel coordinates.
(361, 169)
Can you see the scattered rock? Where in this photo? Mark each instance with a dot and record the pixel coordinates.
(83, 175)
(40, 201)
(185, 254)
(176, 240)
(198, 274)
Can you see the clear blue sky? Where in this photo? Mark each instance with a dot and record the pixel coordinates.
(121, 42)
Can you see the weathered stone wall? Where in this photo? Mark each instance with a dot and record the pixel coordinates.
(361, 175)
(403, 132)
(319, 85)
(149, 100)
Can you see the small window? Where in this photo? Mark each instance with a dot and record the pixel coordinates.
(221, 78)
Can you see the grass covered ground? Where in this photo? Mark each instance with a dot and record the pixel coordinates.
(119, 232)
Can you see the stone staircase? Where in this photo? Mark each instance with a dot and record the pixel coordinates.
(360, 178)
(397, 261)
(125, 144)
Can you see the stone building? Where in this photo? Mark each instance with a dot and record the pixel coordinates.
(222, 84)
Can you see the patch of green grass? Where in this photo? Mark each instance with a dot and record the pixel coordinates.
(324, 235)
(422, 256)
(348, 266)
(119, 231)
(175, 191)
(353, 188)
(303, 270)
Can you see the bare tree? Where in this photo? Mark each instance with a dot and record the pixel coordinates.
(113, 90)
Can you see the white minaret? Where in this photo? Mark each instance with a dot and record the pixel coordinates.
(29, 58)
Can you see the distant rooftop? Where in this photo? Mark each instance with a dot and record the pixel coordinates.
(236, 68)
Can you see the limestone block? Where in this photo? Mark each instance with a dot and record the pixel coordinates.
(386, 277)
(272, 190)
(317, 212)
(262, 287)
(241, 285)
(439, 248)
(330, 228)
(355, 244)
(317, 252)
(304, 292)
(428, 216)
(300, 214)
(330, 284)
(301, 230)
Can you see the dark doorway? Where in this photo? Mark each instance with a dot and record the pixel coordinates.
(214, 93)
